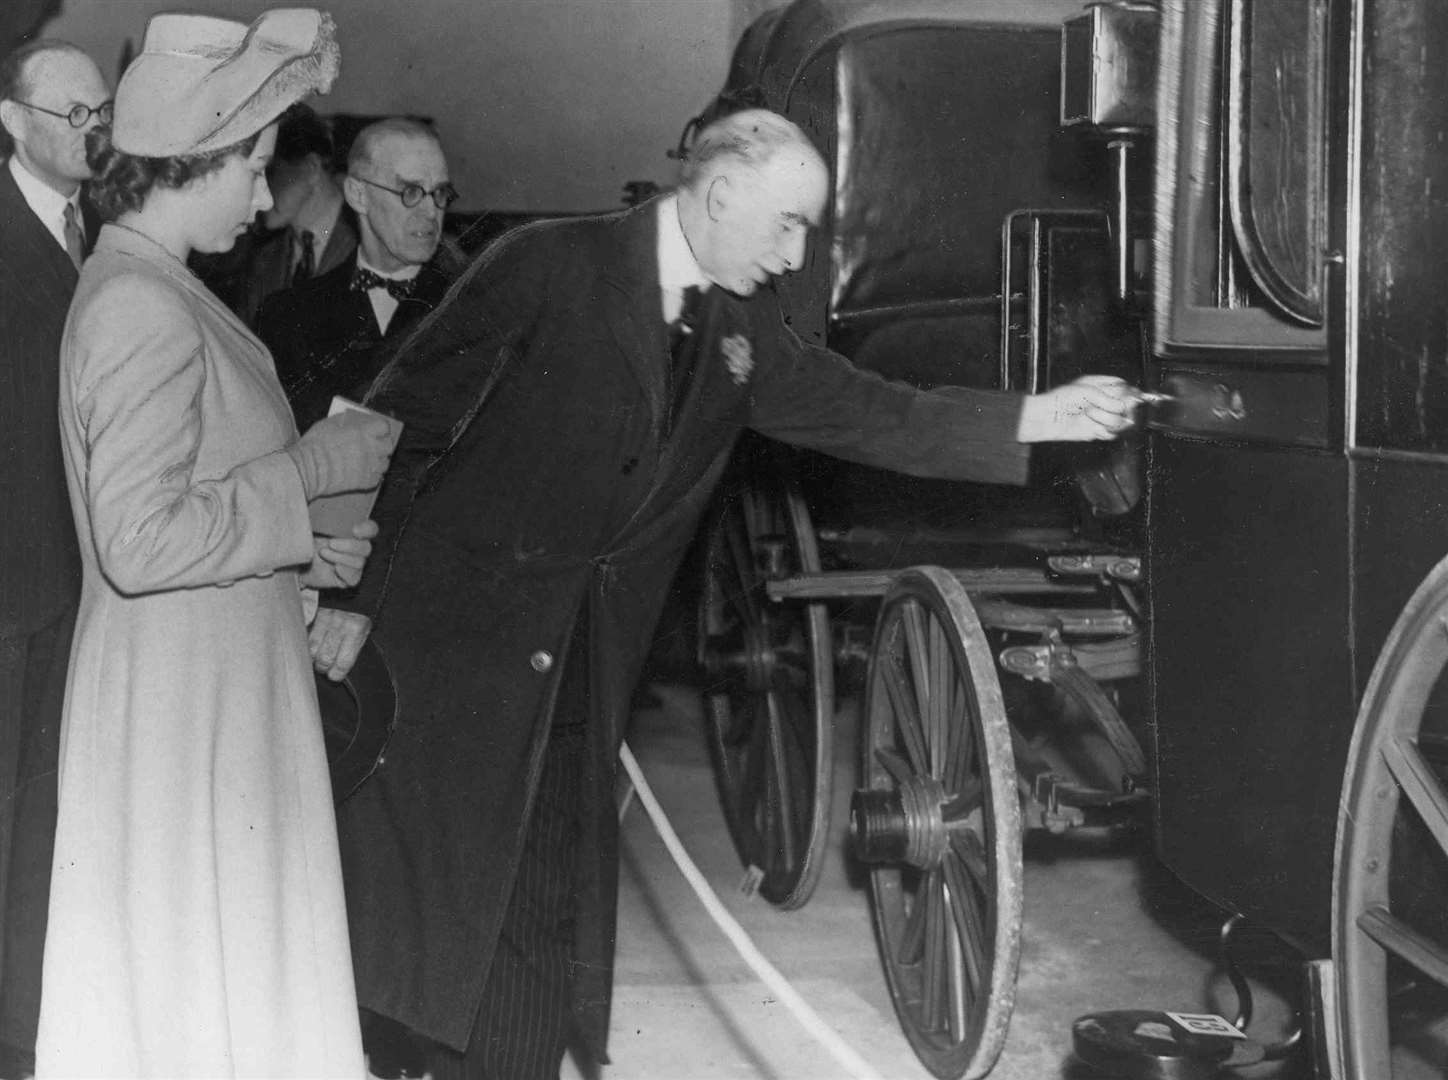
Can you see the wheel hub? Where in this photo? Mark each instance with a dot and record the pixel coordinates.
(905, 824)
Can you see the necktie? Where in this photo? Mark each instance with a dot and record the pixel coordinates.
(364, 279)
(688, 317)
(307, 264)
(683, 350)
(74, 236)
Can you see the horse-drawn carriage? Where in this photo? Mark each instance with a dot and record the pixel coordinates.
(1234, 204)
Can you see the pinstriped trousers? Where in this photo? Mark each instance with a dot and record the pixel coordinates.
(524, 1024)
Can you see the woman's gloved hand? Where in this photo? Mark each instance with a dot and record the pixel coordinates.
(346, 452)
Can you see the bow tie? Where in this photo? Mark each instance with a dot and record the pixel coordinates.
(364, 279)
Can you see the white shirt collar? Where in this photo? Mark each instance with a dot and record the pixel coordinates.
(678, 269)
(47, 203)
(407, 273)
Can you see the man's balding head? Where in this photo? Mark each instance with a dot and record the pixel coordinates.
(372, 142)
(751, 187)
(49, 75)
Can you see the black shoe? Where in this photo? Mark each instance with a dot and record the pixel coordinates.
(394, 1050)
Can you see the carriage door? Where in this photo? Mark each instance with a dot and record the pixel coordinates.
(1248, 553)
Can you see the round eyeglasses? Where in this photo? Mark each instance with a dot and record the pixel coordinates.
(443, 196)
(77, 116)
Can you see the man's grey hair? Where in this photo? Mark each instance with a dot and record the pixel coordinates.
(364, 147)
(752, 138)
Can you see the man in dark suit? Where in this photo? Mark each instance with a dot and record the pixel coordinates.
(556, 458)
(308, 231)
(328, 335)
(51, 95)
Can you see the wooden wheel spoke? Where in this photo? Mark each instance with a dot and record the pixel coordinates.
(779, 756)
(743, 576)
(912, 935)
(962, 739)
(969, 928)
(937, 715)
(893, 764)
(1420, 784)
(965, 800)
(912, 618)
(967, 847)
(907, 719)
(1400, 939)
(933, 1005)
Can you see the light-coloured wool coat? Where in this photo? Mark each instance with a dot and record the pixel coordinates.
(197, 924)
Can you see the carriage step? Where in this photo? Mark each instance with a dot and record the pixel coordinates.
(1143, 1044)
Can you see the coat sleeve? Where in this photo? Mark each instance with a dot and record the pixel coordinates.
(812, 397)
(136, 362)
(437, 379)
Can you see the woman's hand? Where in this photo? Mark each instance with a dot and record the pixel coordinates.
(346, 452)
(338, 561)
(1092, 408)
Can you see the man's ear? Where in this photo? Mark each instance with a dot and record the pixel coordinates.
(10, 118)
(355, 192)
(716, 198)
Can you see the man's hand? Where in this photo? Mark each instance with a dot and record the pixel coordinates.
(335, 639)
(1093, 408)
(337, 561)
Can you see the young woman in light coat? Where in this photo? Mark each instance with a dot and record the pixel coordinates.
(197, 925)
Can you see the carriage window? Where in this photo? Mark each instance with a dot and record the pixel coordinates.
(1241, 202)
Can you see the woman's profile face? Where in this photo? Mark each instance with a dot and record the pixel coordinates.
(233, 195)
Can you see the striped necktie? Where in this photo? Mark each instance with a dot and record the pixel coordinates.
(74, 236)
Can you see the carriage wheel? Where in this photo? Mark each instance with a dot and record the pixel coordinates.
(1390, 931)
(769, 699)
(939, 821)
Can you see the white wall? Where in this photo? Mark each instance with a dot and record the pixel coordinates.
(542, 104)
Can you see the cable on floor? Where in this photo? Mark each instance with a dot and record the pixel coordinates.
(857, 1067)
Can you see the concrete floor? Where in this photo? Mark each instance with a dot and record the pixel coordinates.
(1105, 928)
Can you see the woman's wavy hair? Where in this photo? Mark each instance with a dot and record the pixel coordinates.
(121, 181)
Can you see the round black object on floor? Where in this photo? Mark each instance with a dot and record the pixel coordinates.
(1144, 1044)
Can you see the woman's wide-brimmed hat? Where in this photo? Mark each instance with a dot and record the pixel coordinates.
(202, 83)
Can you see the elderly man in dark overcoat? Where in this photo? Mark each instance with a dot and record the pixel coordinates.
(556, 459)
(51, 95)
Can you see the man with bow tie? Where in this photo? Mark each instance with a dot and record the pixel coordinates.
(329, 334)
(560, 446)
(51, 95)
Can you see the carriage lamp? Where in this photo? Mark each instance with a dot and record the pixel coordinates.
(1108, 84)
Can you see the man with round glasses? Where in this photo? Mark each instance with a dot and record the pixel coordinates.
(328, 335)
(51, 96)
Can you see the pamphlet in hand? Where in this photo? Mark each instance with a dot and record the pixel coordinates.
(334, 515)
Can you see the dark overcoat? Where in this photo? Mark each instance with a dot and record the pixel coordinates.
(558, 492)
(39, 589)
(323, 335)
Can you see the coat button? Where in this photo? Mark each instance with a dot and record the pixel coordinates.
(542, 660)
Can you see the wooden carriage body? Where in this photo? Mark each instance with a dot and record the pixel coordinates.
(1267, 253)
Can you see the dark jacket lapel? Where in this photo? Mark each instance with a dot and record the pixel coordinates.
(46, 263)
(632, 305)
